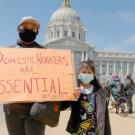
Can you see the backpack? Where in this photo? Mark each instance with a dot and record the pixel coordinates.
(46, 113)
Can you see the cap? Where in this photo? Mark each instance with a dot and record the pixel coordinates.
(115, 77)
(31, 19)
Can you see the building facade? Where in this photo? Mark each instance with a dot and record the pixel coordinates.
(110, 62)
(65, 31)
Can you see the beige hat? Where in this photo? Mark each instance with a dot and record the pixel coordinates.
(30, 18)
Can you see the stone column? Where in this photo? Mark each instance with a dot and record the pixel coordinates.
(49, 34)
(86, 56)
(133, 71)
(77, 32)
(100, 68)
(121, 68)
(82, 57)
(127, 68)
(114, 70)
(70, 30)
(60, 31)
(54, 32)
(107, 68)
(84, 33)
(134, 68)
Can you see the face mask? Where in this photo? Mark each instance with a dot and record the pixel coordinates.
(86, 78)
(27, 35)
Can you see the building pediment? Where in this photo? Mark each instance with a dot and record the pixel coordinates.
(68, 41)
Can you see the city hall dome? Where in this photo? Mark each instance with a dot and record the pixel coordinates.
(64, 22)
(65, 12)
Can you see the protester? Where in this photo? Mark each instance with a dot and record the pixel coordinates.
(89, 115)
(116, 89)
(115, 85)
(17, 114)
(129, 88)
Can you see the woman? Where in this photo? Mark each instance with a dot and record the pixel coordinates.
(17, 116)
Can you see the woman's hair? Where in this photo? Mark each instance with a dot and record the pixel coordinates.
(94, 82)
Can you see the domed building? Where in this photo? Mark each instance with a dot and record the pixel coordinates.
(65, 22)
(65, 31)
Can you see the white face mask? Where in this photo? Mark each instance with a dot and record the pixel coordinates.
(86, 78)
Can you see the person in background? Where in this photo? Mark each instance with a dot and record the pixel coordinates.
(129, 89)
(116, 88)
(17, 114)
(115, 85)
(89, 115)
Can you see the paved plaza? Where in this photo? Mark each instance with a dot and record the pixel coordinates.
(120, 125)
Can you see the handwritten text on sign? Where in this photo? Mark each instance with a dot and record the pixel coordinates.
(36, 75)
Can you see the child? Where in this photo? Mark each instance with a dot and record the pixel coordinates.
(89, 115)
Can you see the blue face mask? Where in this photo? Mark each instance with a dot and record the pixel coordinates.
(86, 78)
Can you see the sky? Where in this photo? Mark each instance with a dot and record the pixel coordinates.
(110, 24)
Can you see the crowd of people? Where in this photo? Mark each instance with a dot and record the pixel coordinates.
(117, 89)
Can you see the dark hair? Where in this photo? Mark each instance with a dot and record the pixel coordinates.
(94, 82)
(90, 63)
(129, 76)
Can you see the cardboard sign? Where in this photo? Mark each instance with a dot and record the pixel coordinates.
(30, 74)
